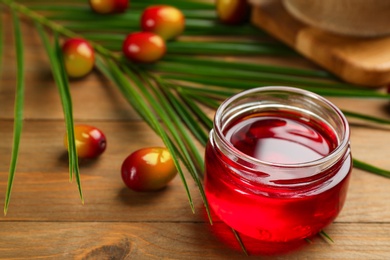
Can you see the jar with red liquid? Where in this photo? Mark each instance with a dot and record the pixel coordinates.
(278, 163)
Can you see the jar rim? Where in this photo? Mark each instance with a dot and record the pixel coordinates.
(333, 155)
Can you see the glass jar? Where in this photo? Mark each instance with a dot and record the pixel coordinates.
(278, 163)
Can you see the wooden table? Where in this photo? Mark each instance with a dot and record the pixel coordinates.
(47, 220)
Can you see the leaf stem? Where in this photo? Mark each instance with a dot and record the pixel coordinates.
(366, 117)
(371, 168)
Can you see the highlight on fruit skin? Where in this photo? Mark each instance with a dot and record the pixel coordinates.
(148, 169)
(233, 11)
(79, 57)
(164, 20)
(144, 47)
(90, 141)
(109, 6)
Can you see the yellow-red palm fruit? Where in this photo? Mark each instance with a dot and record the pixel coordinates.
(164, 20)
(232, 11)
(108, 6)
(90, 141)
(148, 169)
(144, 47)
(79, 57)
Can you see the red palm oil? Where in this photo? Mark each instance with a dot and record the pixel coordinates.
(278, 163)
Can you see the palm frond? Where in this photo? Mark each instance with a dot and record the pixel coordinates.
(188, 118)
(367, 118)
(249, 66)
(231, 86)
(61, 79)
(134, 94)
(189, 152)
(166, 109)
(222, 73)
(370, 168)
(208, 123)
(19, 105)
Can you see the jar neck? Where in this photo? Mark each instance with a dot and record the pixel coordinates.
(281, 99)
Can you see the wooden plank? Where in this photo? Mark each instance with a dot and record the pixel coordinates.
(42, 190)
(25, 240)
(92, 98)
(40, 196)
(47, 220)
(363, 61)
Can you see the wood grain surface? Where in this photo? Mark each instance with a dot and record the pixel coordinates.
(46, 219)
(364, 61)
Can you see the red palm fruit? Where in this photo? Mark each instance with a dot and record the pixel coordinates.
(148, 169)
(90, 141)
(233, 11)
(79, 57)
(108, 6)
(144, 47)
(164, 20)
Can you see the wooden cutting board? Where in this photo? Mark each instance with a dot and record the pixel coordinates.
(363, 61)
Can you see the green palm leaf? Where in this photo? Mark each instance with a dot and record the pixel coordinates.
(366, 117)
(188, 118)
(19, 104)
(236, 64)
(61, 79)
(371, 168)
